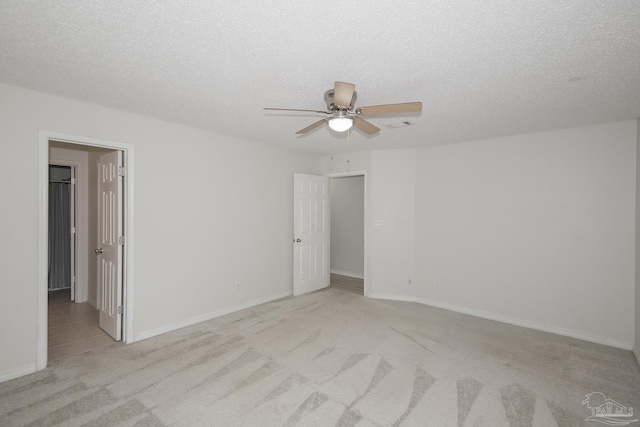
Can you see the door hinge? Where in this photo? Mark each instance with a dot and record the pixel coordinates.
(73, 230)
(73, 279)
(120, 170)
(120, 309)
(121, 240)
(73, 181)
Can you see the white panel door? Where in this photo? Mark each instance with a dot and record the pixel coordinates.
(310, 233)
(110, 252)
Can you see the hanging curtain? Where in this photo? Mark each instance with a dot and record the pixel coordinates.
(59, 235)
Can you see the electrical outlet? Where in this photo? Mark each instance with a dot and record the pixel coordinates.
(410, 280)
(237, 287)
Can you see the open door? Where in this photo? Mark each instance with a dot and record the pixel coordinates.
(111, 241)
(310, 233)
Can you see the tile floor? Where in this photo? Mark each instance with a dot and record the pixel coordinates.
(73, 328)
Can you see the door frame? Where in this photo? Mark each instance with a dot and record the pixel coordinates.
(362, 173)
(44, 138)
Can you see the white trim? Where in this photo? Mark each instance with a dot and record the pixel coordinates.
(18, 372)
(348, 274)
(525, 323)
(392, 297)
(346, 174)
(636, 351)
(43, 230)
(508, 320)
(43, 163)
(366, 276)
(208, 316)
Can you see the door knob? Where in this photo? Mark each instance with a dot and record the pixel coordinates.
(298, 240)
(98, 251)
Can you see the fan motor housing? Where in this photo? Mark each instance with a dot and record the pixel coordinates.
(329, 100)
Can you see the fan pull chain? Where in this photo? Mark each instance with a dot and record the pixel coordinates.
(332, 148)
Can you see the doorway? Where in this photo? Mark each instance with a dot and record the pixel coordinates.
(74, 327)
(83, 312)
(348, 233)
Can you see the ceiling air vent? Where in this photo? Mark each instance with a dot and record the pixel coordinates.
(400, 125)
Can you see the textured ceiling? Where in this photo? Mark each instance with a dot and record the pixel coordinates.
(481, 69)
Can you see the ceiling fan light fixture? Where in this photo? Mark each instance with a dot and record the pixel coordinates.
(341, 124)
(341, 114)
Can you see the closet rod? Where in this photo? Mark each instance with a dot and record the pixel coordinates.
(59, 182)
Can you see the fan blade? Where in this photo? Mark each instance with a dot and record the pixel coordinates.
(343, 94)
(365, 126)
(295, 109)
(311, 127)
(406, 107)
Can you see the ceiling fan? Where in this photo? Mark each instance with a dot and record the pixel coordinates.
(341, 114)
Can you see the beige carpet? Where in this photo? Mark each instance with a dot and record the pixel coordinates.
(331, 358)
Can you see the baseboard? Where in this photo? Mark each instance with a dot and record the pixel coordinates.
(18, 372)
(93, 303)
(348, 274)
(525, 324)
(208, 316)
(392, 297)
(636, 352)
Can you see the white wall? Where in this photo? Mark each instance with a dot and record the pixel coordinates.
(534, 229)
(347, 226)
(352, 162)
(210, 211)
(393, 179)
(636, 347)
